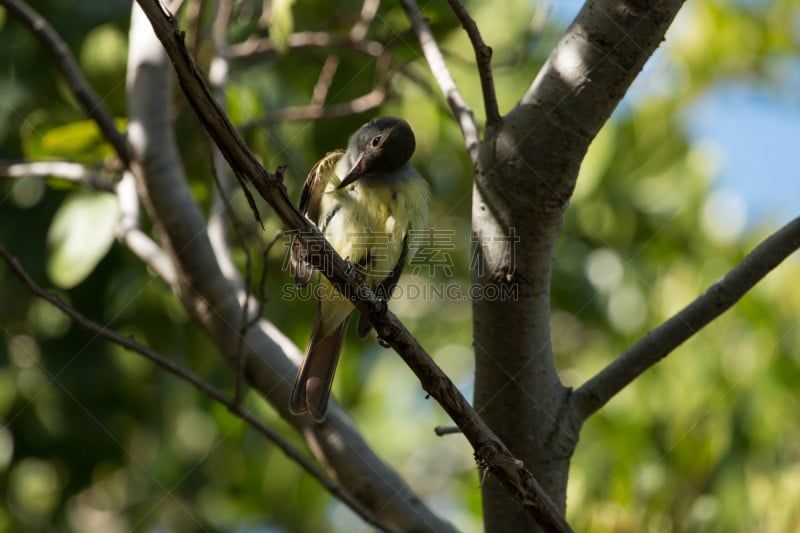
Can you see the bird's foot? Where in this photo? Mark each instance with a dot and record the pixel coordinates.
(354, 270)
(383, 308)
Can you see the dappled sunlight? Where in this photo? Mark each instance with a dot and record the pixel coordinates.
(97, 439)
(724, 216)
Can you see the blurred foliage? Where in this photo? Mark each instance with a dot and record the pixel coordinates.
(96, 439)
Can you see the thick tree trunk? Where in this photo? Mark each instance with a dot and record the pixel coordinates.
(517, 388)
(528, 166)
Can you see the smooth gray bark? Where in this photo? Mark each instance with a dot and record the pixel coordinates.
(528, 167)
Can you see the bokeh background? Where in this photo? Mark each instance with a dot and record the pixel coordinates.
(693, 169)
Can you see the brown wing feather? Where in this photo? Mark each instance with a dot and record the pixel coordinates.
(318, 177)
(315, 184)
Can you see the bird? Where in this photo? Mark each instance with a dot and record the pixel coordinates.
(367, 201)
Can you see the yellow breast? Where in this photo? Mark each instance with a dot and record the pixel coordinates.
(367, 222)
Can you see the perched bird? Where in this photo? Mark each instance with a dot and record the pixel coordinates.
(366, 201)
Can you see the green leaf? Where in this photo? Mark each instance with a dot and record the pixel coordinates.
(80, 141)
(80, 236)
(104, 52)
(282, 24)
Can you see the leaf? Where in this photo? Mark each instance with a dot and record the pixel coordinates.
(79, 141)
(282, 24)
(104, 52)
(80, 236)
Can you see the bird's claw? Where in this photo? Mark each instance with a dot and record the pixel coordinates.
(384, 343)
(352, 270)
(383, 308)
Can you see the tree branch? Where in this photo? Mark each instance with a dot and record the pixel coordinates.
(490, 452)
(72, 73)
(528, 167)
(309, 39)
(362, 104)
(318, 109)
(220, 210)
(324, 81)
(574, 93)
(131, 345)
(77, 172)
(661, 341)
(127, 230)
(459, 107)
(368, 11)
(129, 233)
(483, 58)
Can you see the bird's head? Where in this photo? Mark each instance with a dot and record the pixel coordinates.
(383, 145)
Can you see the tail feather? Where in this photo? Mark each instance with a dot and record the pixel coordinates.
(312, 387)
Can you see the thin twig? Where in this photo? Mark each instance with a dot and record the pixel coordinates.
(263, 45)
(446, 430)
(226, 211)
(255, 317)
(362, 104)
(129, 233)
(131, 345)
(265, 19)
(221, 209)
(657, 344)
(458, 106)
(67, 170)
(368, 11)
(65, 62)
(317, 109)
(262, 280)
(219, 28)
(127, 230)
(483, 57)
(323, 85)
(193, 15)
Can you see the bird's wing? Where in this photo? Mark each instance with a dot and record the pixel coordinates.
(317, 179)
(385, 288)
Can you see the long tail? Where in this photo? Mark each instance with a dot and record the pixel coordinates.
(312, 387)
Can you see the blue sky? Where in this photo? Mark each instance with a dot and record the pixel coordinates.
(757, 135)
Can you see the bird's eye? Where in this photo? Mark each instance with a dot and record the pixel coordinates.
(376, 140)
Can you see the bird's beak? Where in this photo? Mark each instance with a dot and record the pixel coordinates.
(355, 173)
